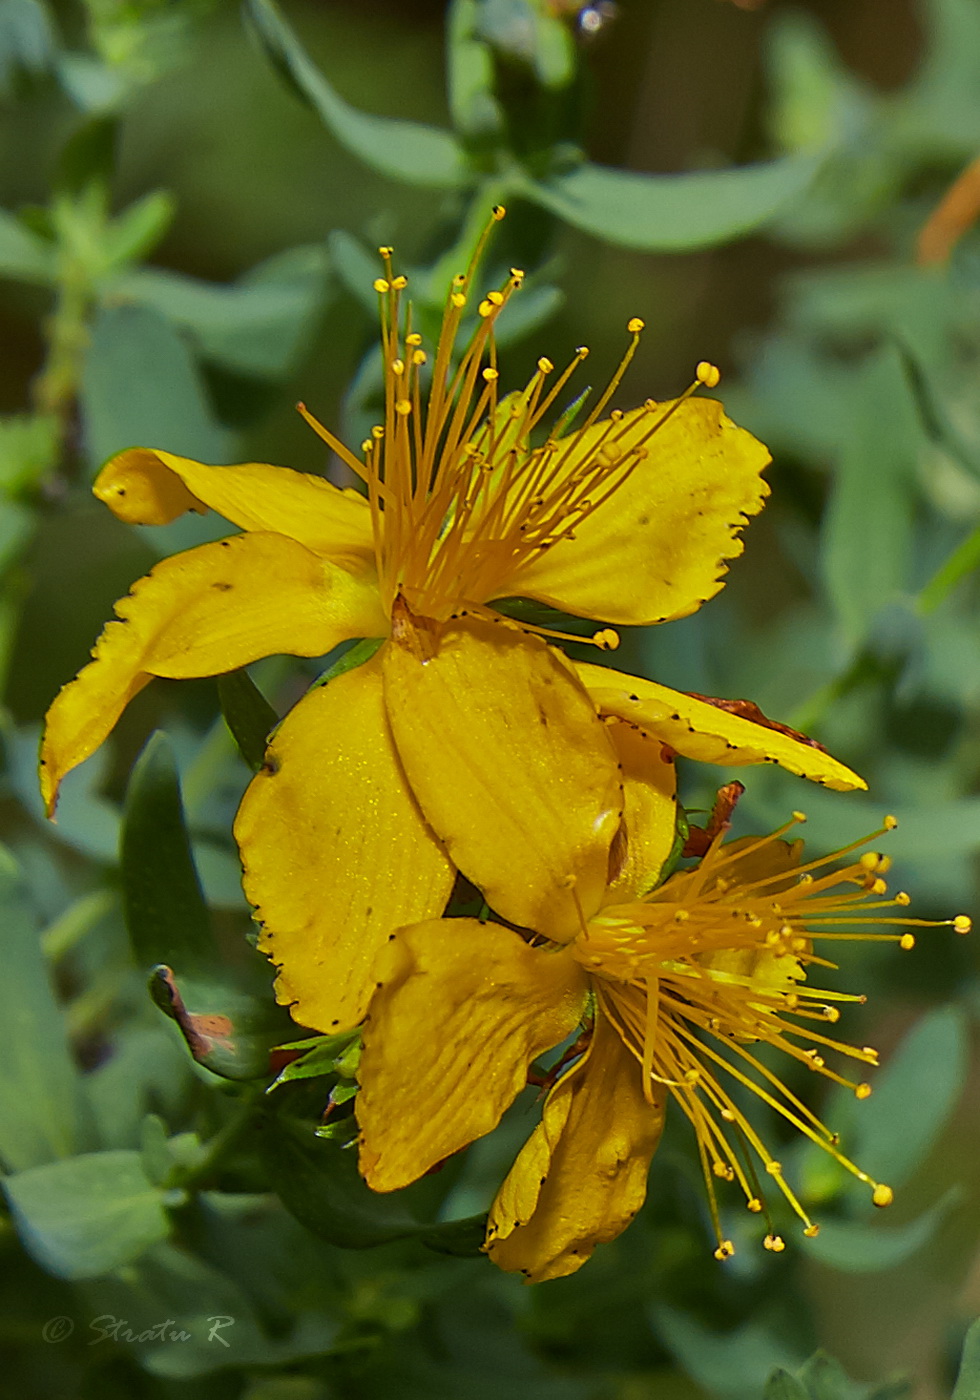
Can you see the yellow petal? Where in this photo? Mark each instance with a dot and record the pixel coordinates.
(335, 851)
(509, 763)
(461, 1010)
(582, 1176)
(646, 837)
(655, 549)
(699, 730)
(146, 487)
(200, 613)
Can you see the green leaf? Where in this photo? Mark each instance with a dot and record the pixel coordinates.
(248, 715)
(141, 388)
(968, 1380)
(40, 1088)
(410, 152)
(867, 532)
(139, 228)
(673, 213)
(355, 267)
(735, 1363)
(89, 155)
(27, 39)
(166, 915)
(475, 110)
(318, 1182)
(356, 656)
(86, 1215)
(783, 1386)
(255, 326)
(927, 1071)
(228, 1027)
(868, 1249)
(24, 256)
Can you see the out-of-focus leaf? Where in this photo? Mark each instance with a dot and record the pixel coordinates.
(138, 229)
(968, 1380)
(815, 99)
(89, 155)
(475, 110)
(355, 267)
(255, 326)
(165, 911)
(40, 1088)
(141, 388)
(856, 1248)
(411, 152)
(83, 1216)
(147, 1065)
(91, 84)
(27, 40)
(214, 1324)
(914, 1096)
(248, 715)
(28, 449)
(23, 255)
(782, 1386)
(16, 528)
(737, 1363)
(939, 112)
(868, 526)
(673, 213)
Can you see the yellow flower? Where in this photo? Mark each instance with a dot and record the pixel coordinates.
(466, 742)
(675, 988)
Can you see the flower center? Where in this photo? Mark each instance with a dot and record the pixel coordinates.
(460, 498)
(713, 963)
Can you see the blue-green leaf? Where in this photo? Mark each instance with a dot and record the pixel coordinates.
(673, 213)
(968, 1380)
(411, 152)
(27, 40)
(40, 1088)
(855, 1248)
(928, 1070)
(248, 715)
(24, 256)
(81, 1217)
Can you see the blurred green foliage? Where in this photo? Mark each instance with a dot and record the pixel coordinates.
(180, 1219)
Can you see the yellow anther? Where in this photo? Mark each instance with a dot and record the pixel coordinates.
(878, 887)
(419, 357)
(729, 1117)
(962, 923)
(398, 366)
(545, 365)
(776, 1243)
(366, 445)
(707, 374)
(774, 1168)
(634, 325)
(903, 898)
(485, 308)
(890, 823)
(377, 431)
(754, 1205)
(681, 916)
(382, 285)
(812, 1231)
(724, 1171)
(831, 1014)
(413, 339)
(403, 407)
(490, 375)
(870, 860)
(862, 1091)
(385, 250)
(495, 298)
(499, 212)
(458, 300)
(907, 942)
(882, 1196)
(799, 816)
(606, 639)
(725, 1250)
(582, 351)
